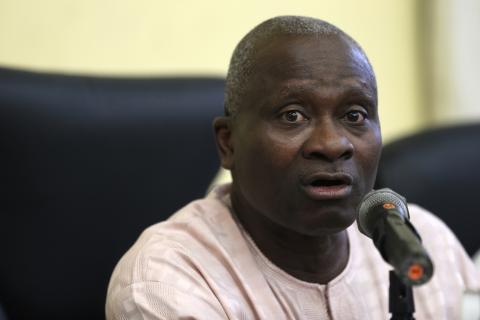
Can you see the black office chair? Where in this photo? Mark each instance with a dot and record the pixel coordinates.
(439, 169)
(86, 163)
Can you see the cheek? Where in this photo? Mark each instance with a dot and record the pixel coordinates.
(263, 160)
(368, 155)
(270, 150)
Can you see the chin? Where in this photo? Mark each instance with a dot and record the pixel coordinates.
(329, 222)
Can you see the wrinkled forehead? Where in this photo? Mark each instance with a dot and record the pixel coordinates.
(322, 57)
(330, 61)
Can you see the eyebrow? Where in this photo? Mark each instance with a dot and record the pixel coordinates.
(290, 90)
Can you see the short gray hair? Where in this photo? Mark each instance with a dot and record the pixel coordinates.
(241, 63)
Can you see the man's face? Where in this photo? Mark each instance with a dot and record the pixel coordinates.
(306, 140)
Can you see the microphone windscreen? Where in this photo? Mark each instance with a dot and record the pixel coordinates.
(385, 198)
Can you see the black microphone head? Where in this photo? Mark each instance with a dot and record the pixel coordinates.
(383, 216)
(386, 198)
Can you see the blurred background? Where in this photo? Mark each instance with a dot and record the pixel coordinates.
(83, 159)
(425, 53)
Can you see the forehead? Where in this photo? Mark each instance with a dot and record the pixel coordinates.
(307, 62)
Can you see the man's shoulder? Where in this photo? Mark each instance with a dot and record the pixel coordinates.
(161, 271)
(187, 232)
(197, 232)
(451, 262)
(434, 232)
(423, 218)
(195, 255)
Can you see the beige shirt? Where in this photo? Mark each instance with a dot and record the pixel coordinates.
(201, 264)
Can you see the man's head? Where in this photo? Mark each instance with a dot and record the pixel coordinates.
(301, 133)
(242, 63)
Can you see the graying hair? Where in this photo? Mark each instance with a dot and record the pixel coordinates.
(242, 61)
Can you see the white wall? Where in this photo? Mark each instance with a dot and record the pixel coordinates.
(454, 50)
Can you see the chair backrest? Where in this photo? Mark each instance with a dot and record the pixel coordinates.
(86, 163)
(2, 314)
(439, 169)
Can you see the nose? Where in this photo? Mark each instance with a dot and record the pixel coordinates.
(328, 142)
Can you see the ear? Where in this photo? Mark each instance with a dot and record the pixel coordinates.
(223, 137)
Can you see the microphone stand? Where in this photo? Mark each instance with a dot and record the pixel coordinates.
(400, 300)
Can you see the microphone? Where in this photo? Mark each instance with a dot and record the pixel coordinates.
(383, 216)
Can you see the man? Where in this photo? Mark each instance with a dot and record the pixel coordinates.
(301, 136)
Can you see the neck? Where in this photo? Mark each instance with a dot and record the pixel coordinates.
(316, 259)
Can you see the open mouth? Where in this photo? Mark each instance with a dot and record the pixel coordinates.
(323, 186)
(327, 183)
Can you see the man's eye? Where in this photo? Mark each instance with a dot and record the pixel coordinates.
(356, 117)
(293, 116)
